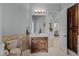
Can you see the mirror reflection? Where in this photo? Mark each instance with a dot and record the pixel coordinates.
(38, 23)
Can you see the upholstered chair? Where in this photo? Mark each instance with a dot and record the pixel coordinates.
(23, 42)
(13, 37)
(5, 38)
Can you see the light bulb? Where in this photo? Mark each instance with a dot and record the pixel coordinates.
(42, 10)
(39, 10)
(36, 10)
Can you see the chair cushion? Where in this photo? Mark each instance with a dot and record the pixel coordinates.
(15, 51)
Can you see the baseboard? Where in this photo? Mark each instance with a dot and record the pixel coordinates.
(71, 53)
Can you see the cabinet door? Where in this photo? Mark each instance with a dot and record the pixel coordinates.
(43, 44)
(39, 44)
(34, 45)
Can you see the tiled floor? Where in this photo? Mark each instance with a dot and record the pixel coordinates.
(51, 52)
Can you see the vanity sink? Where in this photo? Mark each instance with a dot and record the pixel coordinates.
(39, 35)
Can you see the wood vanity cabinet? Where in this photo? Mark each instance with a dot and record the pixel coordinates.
(39, 44)
(72, 28)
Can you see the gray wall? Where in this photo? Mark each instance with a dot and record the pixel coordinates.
(1, 43)
(15, 18)
(61, 18)
(0, 20)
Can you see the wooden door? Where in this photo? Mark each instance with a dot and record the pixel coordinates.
(72, 27)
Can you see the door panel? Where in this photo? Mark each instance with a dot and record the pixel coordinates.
(72, 27)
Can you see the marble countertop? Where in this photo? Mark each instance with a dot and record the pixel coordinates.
(39, 35)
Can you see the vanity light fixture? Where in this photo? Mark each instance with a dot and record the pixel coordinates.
(39, 11)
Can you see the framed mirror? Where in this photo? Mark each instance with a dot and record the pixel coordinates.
(56, 29)
(38, 23)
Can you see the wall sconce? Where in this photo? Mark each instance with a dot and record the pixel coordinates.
(50, 27)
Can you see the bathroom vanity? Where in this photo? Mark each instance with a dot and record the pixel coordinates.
(39, 44)
(39, 40)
